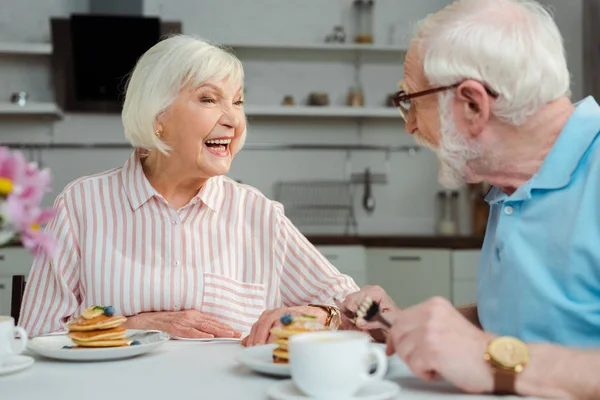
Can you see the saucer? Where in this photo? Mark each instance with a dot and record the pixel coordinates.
(377, 390)
(260, 359)
(15, 363)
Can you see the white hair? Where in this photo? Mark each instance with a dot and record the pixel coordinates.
(513, 46)
(161, 73)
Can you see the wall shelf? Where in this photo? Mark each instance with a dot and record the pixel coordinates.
(23, 48)
(322, 112)
(31, 109)
(339, 47)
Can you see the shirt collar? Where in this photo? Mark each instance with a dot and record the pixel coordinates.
(139, 190)
(560, 164)
(135, 183)
(573, 142)
(212, 193)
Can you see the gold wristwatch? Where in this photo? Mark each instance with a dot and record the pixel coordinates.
(507, 357)
(334, 318)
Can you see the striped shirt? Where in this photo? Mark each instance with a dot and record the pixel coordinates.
(230, 253)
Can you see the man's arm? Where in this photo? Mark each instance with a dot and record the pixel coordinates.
(469, 311)
(560, 372)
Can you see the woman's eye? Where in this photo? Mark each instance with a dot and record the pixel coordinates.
(207, 100)
(239, 103)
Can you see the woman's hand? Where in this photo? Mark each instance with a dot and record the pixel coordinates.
(186, 324)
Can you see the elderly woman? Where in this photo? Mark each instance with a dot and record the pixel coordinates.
(167, 239)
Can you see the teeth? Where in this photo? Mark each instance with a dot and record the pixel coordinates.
(219, 141)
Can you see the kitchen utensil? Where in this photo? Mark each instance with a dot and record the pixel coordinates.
(368, 199)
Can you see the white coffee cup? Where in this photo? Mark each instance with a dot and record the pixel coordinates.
(332, 365)
(8, 345)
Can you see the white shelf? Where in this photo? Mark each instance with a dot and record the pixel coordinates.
(321, 47)
(25, 48)
(31, 109)
(323, 111)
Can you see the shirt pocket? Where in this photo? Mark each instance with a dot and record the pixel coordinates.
(233, 302)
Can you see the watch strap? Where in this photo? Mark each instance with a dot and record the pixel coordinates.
(504, 381)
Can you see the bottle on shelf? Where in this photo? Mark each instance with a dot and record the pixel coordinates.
(363, 21)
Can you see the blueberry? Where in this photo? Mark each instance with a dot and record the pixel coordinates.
(286, 319)
(109, 311)
(135, 343)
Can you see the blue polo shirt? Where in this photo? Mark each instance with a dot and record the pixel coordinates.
(539, 273)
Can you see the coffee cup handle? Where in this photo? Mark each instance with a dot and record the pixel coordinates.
(382, 365)
(23, 341)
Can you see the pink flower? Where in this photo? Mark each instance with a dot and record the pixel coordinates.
(22, 188)
(36, 240)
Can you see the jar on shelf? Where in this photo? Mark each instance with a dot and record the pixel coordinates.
(363, 21)
(356, 98)
(447, 223)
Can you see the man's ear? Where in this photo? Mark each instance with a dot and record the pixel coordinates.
(474, 106)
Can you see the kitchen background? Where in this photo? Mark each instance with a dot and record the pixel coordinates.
(282, 45)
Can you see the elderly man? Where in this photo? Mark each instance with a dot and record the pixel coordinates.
(486, 86)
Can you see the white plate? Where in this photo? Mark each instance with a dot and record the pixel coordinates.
(211, 340)
(15, 363)
(260, 359)
(377, 390)
(53, 347)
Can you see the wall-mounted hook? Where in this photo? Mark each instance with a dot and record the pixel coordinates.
(388, 168)
(39, 159)
(348, 165)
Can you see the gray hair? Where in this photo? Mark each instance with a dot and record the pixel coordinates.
(161, 73)
(512, 45)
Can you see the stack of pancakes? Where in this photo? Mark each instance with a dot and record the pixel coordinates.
(292, 326)
(98, 327)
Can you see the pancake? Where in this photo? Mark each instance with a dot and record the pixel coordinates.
(98, 323)
(92, 336)
(282, 343)
(281, 355)
(103, 343)
(98, 326)
(292, 326)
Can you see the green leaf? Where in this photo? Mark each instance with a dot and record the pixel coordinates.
(98, 308)
(309, 316)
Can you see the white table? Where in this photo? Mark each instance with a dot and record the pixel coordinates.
(176, 370)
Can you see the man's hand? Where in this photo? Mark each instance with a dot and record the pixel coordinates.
(435, 341)
(261, 330)
(187, 324)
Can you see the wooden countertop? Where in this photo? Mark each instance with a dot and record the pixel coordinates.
(430, 242)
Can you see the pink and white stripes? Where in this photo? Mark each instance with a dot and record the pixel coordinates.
(230, 252)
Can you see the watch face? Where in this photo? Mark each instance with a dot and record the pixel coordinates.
(509, 352)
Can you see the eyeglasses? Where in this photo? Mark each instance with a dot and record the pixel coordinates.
(403, 100)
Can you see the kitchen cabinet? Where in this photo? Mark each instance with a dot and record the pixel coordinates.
(410, 276)
(349, 260)
(13, 261)
(465, 264)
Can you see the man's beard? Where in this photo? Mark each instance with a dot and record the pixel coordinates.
(455, 150)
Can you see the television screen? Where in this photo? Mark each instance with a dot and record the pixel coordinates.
(105, 50)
